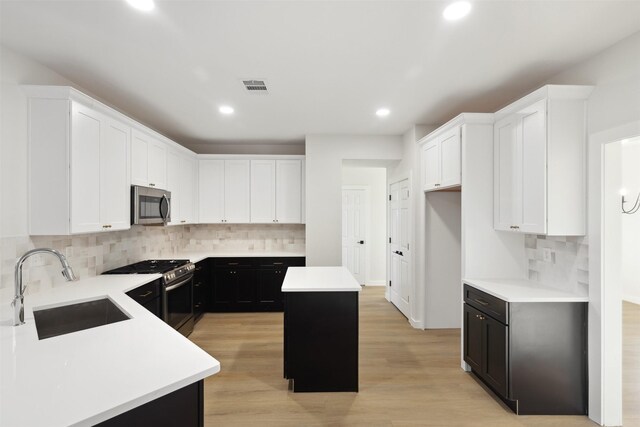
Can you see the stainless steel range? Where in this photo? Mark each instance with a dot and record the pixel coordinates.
(177, 289)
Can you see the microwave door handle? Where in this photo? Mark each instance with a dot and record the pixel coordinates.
(164, 217)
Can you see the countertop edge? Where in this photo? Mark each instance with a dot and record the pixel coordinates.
(481, 284)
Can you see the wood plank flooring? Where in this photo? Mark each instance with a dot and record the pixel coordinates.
(630, 364)
(407, 377)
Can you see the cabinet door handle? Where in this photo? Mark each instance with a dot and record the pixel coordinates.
(151, 184)
(481, 302)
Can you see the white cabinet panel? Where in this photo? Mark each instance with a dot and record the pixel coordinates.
(71, 140)
(211, 191)
(539, 152)
(157, 164)
(431, 165)
(187, 190)
(507, 175)
(174, 182)
(441, 161)
(451, 164)
(237, 187)
(86, 130)
(534, 163)
(288, 191)
(115, 199)
(263, 191)
(148, 160)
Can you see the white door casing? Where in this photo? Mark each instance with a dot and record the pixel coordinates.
(355, 205)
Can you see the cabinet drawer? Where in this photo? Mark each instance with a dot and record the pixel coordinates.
(233, 262)
(145, 293)
(281, 262)
(494, 307)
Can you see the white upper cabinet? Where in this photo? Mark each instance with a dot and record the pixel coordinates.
(441, 161)
(148, 160)
(263, 191)
(115, 197)
(188, 189)
(78, 165)
(224, 191)
(237, 187)
(174, 183)
(276, 191)
(289, 191)
(211, 191)
(539, 163)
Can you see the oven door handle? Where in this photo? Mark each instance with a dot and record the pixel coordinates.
(179, 284)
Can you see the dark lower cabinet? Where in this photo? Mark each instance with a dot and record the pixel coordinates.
(533, 355)
(201, 288)
(249, 284)
(148, 296)
(183, 407)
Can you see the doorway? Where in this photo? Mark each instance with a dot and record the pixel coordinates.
(355, 236)
(364, 221)
(621, 279)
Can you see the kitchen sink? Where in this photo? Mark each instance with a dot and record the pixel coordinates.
(51, 322)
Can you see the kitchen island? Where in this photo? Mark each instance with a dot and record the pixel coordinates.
(321, 329)
(98, 374)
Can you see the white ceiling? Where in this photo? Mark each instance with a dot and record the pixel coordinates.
(329, 64)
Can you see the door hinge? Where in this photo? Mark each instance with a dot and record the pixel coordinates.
(407, 246)
(389, 197)
(389, 239)
(389, 282)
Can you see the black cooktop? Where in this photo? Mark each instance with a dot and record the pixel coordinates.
(149, 266)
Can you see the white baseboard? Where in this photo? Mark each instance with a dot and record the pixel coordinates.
(375, 283)
(632, 298)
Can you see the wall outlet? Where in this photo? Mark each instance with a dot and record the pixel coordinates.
(547, 255)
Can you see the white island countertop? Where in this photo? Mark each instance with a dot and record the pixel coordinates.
(85, 377)
(522, 290)
(319, 279)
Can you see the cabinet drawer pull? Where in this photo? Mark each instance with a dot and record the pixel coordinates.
(151, 184)
(278, 263)
(481, 302)
(146, 294)
(233, 263)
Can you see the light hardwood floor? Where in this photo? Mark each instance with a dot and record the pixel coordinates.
(407, 377)
(630, 364)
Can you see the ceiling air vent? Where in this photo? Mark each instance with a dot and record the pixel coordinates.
(255, 86)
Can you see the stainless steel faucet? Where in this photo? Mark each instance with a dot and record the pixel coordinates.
(18, 300)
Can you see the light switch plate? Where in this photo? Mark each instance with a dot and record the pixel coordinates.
(547, 255)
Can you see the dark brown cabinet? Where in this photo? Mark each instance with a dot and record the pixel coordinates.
(148, 296)
(531, 354)
(201, 288)
(249, 284)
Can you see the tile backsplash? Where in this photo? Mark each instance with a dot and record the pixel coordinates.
(569, 265)
(92, 254)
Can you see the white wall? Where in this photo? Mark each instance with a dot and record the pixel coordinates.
(614, 112)
(631, 223)
(376, 180)
(324, 156)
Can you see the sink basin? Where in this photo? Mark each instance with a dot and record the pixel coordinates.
(51, 322)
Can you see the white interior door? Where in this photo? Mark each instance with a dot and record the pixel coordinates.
(399, 247)
(354, 207)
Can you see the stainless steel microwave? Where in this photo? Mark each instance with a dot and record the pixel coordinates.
(150, 206)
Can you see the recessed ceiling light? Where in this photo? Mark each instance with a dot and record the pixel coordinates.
(144, 5)
(225, 109)
(382, 112)
(457, 10)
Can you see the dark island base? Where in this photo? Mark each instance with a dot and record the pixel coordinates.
(321, 341)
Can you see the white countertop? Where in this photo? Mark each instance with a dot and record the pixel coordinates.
(199, 256)
(319, 279)
(88, 376)
(522, 290)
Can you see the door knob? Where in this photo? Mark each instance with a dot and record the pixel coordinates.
(361, 242)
